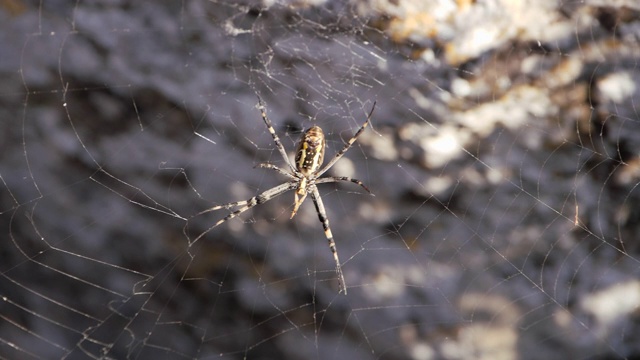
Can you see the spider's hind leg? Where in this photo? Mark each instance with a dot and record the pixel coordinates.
(322, 215)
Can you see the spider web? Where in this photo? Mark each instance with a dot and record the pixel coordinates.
(504, 155)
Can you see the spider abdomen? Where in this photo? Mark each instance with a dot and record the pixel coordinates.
(310, 153)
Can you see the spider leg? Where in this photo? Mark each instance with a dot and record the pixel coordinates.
(333, 179)
(348, 145)
(276, 139)
(322, 215)
(245, 205)
(274, 167)
(298, 201)
(224, 206)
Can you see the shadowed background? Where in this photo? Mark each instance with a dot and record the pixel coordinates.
(503, 154)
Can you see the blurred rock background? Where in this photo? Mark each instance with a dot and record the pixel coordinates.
(503, 153)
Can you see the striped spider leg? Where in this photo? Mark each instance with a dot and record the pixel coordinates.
(303, 177)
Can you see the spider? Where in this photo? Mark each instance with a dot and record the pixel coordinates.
(303, 177)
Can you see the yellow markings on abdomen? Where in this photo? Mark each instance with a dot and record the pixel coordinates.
(310, 153)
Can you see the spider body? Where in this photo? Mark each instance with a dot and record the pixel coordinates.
(309, 158)
(310, 153)
(303, 178)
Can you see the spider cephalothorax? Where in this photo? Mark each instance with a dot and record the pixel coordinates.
(303, 177)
